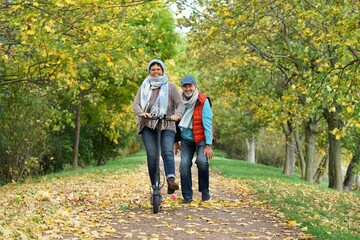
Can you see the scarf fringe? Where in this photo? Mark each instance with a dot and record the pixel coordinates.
(152, 124)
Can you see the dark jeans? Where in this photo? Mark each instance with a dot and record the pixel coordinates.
(188, 150)
(167, 151)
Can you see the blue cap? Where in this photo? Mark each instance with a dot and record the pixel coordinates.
(188, 80)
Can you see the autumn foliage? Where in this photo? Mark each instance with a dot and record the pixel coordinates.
(68, 72)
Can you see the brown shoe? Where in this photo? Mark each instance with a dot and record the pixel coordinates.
(172, 185)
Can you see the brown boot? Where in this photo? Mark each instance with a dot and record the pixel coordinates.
(172, 185)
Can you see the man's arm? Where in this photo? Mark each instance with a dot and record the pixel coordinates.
(207, 123)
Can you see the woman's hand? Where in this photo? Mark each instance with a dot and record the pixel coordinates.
(146, 115)
(175, 118)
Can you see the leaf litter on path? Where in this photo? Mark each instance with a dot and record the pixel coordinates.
(117, 206)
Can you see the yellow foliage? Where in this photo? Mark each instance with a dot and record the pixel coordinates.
(337, 133)
(332, 109)
(70, 2)
(230, 21)
(59, 4)
(5, 57)
(30, 32)
(349, 109)
(212, 31)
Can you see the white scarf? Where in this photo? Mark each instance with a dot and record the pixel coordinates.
(187, 119)
(161, 103)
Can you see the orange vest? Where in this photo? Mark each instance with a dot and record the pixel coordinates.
(197, 126)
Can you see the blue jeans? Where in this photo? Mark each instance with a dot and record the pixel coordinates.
(149, 137)
(188, 150)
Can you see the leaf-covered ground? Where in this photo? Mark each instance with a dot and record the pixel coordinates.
(116, 205)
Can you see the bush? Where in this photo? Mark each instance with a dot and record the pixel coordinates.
(270, 148)
(23, 139)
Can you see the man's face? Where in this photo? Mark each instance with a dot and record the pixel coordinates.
(188, 89)
(156, 70)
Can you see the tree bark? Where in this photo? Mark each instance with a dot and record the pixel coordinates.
(321, 169)
(290, 150)
(76, 136)
(251, 149)
(350, 176)
(310, 140)
(335, 173)
(299, 147)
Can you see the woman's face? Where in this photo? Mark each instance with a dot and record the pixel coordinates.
(156, 70)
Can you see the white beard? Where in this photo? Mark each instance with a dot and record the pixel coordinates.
(188, 95)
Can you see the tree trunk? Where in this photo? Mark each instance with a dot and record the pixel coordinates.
(321, 169)
(101, 158)
(335, 174)
(299, 147)
(290, 150)
(290, 156)
(251, 149)
(310, 139)
(76, 136)
(350, 176)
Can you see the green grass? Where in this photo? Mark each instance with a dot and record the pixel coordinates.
(125, 164)
(326, 213)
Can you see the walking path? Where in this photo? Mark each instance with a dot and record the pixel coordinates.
(232, 213)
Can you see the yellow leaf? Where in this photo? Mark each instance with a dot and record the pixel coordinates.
(212, 31)
(69, 1)
(30, 32)
(82, 87)
(128, 235)
(230, 21)
(337, 136)
(333, 109)
(110, 230)
(304, 229)
(291, 223)
(178, 229)
(349, 109)
(337, 133)
(5, 58)
(190, 231)
(59, 4)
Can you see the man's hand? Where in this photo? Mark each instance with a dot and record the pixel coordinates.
(208, 152)
(176, 148)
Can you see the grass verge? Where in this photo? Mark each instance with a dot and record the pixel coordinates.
(325, 213)
(124, 164)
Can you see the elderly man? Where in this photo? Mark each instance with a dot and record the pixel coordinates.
(196, 135)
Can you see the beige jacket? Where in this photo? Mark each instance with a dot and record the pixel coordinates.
(175, 106)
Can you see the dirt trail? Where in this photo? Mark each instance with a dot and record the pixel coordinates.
(231, 214)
